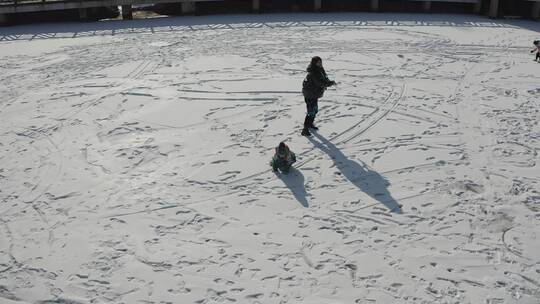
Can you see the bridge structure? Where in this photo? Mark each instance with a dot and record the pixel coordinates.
(189, 6)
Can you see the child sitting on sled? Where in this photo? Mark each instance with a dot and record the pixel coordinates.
(283, 159)
(537, 50)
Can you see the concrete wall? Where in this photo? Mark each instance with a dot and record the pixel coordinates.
(492, 8)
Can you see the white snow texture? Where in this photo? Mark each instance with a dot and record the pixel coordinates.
(134, 161)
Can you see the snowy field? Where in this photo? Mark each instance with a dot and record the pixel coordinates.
(134, 161)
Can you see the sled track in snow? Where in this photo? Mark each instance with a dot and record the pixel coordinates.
(389, 105)
(237, 188)
(385, 113)
(241, 188)
(59, 167)
(142, 69)
(348, 130)
(395, 104)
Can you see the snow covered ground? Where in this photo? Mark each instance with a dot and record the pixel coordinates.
(134, 161)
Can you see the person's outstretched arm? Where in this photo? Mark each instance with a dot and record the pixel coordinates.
(327, 82)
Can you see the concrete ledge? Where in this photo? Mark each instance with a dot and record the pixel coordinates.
(493, 9)
(188, 7)
(317, 5)
(454, 1)
(63, 5)
(127, 12)
(374, 5)
(83, 14)
(536, 10)
(478, 7)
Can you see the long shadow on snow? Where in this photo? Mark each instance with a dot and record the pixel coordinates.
(294, 180)
(360, 175)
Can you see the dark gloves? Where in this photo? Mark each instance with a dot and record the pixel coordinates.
(332, 83)
(532, 51)
(274, 164)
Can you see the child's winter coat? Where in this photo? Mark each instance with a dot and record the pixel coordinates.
(283, 159)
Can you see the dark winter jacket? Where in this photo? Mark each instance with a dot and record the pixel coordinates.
(316, 82)
(283, 159)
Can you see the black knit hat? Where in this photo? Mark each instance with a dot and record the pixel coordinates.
(315, 59)
(282, 148)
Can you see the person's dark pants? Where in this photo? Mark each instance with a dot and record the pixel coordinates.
(537, 55)
(312, 109)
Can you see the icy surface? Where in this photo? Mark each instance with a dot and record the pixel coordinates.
(134, 161)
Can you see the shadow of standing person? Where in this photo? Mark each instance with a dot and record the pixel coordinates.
(294, 180)
(360, 175)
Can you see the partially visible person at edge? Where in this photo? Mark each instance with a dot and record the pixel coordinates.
(313, 88)
(537, 50)
(283, 159)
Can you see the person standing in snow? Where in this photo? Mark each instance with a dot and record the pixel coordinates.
(283, 159)
(537, 50)
(313, 88)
